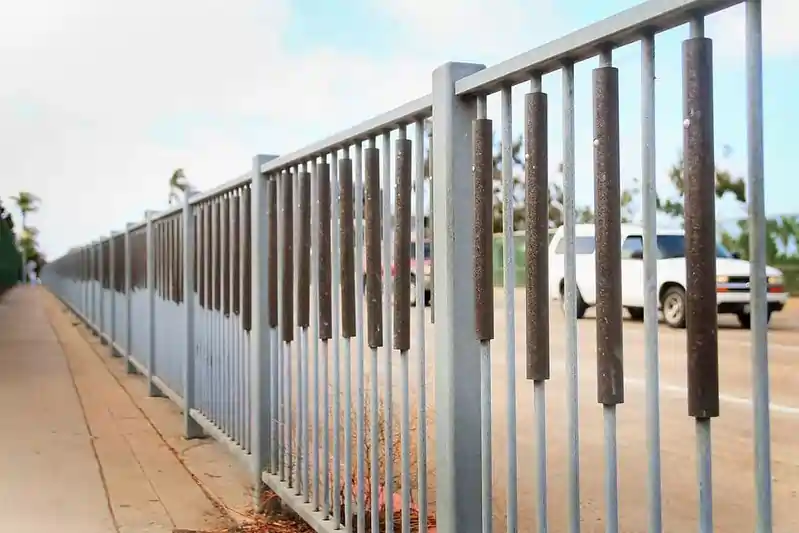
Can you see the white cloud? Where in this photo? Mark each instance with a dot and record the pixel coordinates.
(101, 100)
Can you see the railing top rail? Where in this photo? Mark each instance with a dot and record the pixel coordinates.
(165, 214)
(618, 30)
(404, 114)
(220, 189)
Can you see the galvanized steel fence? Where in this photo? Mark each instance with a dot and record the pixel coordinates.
(276, 309)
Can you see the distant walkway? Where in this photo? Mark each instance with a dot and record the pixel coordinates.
(79, 450)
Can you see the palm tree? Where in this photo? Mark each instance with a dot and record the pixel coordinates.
(26, 203)
(178, 185)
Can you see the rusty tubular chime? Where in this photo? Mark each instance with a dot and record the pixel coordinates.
(271, 217)
(225, 253)
(287, 227)
(171, 258)
(607, 200)
(482, 138)
(536, 171)
(195, 262)
(325, 270)
(402, 247)
(607, 227)
(246, 251)
(235, 207)
(347, 249)
(374, 289)
(700, 235)
(217, 255)
(202, 245)
(536, 246)
(699, 174)
(482, 175)
(304, 251)
(181, 273)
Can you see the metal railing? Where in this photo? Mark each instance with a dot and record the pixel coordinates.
(279, 332)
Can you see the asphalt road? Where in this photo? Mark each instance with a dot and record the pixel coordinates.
(732, 432)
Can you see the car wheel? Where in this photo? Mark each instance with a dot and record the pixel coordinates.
(581, 306)
(673, 304)
(745, 319)
(636, 313)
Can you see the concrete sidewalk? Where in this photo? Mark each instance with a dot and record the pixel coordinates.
(77, 453)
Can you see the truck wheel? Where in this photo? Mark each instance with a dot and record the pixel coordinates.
(582, 307)
(745, 319)
(673, 304)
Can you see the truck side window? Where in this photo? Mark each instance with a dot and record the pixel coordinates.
(582, 246)
(631, 245)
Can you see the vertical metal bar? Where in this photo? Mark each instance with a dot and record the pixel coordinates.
(402, 309)
(272, 321)
(459, 507)
(649, 200)
(151, 265)
(205, 304)
(315, 333)
(101, 275)
(260, 349)
(510, 289)
(224, 293)
(246, 300)
(537, 282)
(336, 274)
(607, 199)
(128, 297)
(374, 314)
(700, 247)
(348, 319)
(325, 316)
(482, 176)
(281, 355)
(570, 293)
(234, 348)
(360, 394)
(421, 423)
(286, 207)
(304, 314)
(388, 400)
(190, 426)
(757, 264)
(112, 292)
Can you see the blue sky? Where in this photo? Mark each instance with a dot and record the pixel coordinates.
(104, 101)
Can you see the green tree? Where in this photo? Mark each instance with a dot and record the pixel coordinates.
(178, 185)
(27, 203)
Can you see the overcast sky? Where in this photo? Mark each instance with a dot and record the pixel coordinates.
(100, 100)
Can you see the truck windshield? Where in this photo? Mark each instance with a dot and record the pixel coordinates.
(427, 250)
(671, 246)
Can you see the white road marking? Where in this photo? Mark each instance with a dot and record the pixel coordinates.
(725, 398)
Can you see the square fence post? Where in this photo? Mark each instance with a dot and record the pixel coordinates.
(190, 426)
(151, 369)
(129, 368)
(458, 453)
(260, 356)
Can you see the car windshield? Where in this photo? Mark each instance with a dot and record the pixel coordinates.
(671, 246)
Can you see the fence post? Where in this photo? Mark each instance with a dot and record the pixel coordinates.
(458, 454)
(129, 368)
(191, 427)
(112, 327)
(151, 370)
(260, 356)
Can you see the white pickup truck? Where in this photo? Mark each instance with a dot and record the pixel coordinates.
(732, 284)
